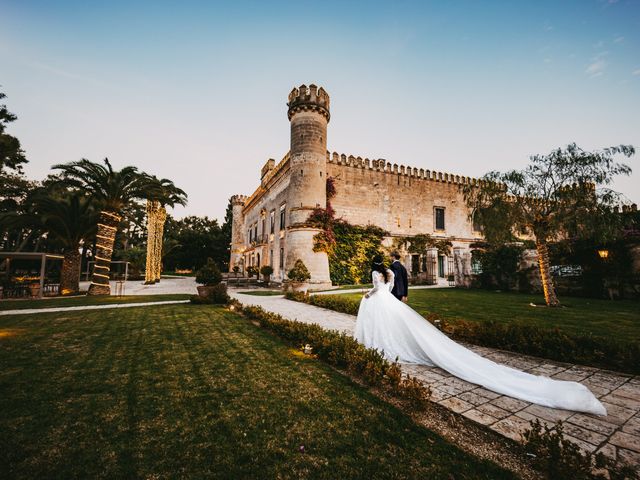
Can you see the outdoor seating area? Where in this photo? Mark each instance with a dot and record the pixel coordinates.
(29, 275)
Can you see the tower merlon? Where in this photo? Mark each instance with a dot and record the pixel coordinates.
(309, 98)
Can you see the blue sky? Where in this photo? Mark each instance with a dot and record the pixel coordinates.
(196, 91)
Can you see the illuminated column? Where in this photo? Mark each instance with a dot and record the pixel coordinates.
(105, 238)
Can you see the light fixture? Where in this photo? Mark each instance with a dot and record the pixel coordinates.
(604, 254)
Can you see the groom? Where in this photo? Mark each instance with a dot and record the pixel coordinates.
(401, 283)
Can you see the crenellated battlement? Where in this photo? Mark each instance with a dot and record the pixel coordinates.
(309, 98)
(238, 200)
(381, 165)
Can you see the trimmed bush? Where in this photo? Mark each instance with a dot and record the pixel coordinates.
(209, 275)
(299, 272)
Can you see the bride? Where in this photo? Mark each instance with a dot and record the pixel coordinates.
(402, 334)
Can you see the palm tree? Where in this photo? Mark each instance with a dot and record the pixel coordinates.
(160, 194)
(71, 221)
(112, 190)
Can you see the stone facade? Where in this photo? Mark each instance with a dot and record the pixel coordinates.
(269, 227)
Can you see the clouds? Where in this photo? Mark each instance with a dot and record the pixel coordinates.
(597, 66)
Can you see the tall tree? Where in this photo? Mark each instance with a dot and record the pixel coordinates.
(112, 190)
(11, 153)
(160, 194)
(560, 194)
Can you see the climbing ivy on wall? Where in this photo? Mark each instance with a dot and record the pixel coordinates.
(350, 248)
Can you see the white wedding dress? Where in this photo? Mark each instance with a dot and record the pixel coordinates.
(399, 332)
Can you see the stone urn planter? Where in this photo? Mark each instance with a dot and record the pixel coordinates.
(205, 290)
(34, 290)
(298, 286)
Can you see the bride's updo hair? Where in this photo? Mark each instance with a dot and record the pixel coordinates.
(377, 265)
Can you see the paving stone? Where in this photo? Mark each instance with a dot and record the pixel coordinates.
(570, 376)
(529, 418)
(584, 446)
(605, 380)
(437, 395)
(595, 424)
(628, 390)
(456, 404)
(617, 414)
(626, 440)
(486, 393)
(584, 434)
(551, 414)
(459, 384)
(621, 401)
(473, 398)
(629, 457)
(480, 417)
(448, 389)
(494, 411)
(632, 426)
(510, 404)
(609, 451)
(511, 427)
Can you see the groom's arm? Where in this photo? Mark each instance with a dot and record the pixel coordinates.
(405, 277)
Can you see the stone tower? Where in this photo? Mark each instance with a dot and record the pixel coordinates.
(309, 115)
(237, 232)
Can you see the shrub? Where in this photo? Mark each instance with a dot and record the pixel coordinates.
(266, 271)
(251, 271)
(236, 269)
(338, 303)
(342, 351)
(603, 352)
(209, 275)
(216, 295)
(560, 458)
(299, 272)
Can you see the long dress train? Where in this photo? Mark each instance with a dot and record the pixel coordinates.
(391, 326)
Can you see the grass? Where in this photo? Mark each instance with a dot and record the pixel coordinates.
(85, 300)
(619, 319)
(195, 392)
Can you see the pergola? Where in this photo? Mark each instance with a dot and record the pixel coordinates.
(43, 257)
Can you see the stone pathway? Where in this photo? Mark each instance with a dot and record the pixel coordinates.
(27, 311)
(617, 435)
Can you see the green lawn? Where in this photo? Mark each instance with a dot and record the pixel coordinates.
(84, 300)
(620, 319)
(184, 391)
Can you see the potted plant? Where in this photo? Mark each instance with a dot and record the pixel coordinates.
(298, 277)
(208, 277)
(266, 272)
(236, 270)
(251, 271)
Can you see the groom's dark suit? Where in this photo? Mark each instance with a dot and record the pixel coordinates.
(401, 282)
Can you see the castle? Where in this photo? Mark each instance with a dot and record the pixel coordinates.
(270, 226)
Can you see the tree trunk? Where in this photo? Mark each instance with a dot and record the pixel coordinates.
(70, 275)
(105, 240)
(162, 217)
(545, 274)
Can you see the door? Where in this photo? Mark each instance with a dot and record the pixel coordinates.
(440, 266)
